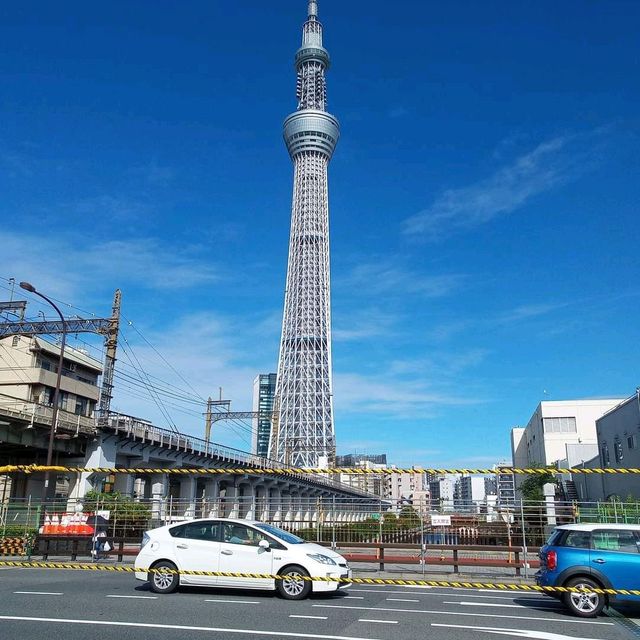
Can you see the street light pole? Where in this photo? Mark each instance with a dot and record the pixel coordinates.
(56, 393)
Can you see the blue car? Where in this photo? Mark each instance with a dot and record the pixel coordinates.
(591, 555)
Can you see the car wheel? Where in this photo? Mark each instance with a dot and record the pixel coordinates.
(585, 604)
(164, 578)
(293, 585)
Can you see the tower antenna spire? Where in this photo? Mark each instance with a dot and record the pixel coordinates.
(313, 9)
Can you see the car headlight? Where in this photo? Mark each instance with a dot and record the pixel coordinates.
(318, 557)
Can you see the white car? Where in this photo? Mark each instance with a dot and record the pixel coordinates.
(240, 546)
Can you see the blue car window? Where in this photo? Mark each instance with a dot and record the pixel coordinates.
(578, 540)
(615, 540)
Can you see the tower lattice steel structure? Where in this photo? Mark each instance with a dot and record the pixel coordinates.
(302, 432)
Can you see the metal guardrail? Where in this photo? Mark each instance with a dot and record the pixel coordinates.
(34, 413)
(136, 428)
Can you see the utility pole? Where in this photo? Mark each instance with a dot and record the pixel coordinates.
(111, 345)
(207, 424)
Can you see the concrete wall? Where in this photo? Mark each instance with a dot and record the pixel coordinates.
(620, 430)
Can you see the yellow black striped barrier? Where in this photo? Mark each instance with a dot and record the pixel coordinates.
(33, 468)
(13, 547)
(501, 586)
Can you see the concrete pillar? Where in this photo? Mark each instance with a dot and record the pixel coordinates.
(212, 497)
(296, 508)
(100, 453)
(275, 504)
(305, 502)
(188, 488)
(159, 496)
(124, 484)
(250, 499)
(262, 500)
(231, 506)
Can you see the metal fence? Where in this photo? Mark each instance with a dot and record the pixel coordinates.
(327, 520)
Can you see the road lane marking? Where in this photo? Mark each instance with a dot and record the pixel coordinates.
(378, 621)
(135, 597)
(353, 598)
(506, 606)
(180, 627)
(236, 601)
(517, 595)
(402, 600)
(462, 613)
(40, 593)
(518, 633)
(309, 617)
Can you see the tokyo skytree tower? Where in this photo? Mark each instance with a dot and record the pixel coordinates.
(302, 432)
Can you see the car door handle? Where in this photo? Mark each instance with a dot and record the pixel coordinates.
(599, 561)
(226, 552)
(182, 546)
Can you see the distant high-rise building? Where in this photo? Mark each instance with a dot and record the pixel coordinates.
(303, 432)
(442, 492)
(354, 459)
(264, 389)
(379, 484)
(471, 493)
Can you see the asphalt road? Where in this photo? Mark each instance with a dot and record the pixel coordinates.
(78, 605)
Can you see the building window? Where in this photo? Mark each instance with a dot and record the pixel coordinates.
(81, 406)
(632, 441)
(559, 425)
(604, 454)
(15, 341)
(617, 451)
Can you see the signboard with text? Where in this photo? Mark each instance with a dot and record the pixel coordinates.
(440, 521)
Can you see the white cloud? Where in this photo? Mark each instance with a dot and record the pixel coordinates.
(525, 311)
(66, 265)
(389, 278)
(545, 167)
(364, 324)
(393, 396)
(209, 351)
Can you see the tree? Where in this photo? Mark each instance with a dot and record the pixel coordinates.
(531, 487)
(127, 517)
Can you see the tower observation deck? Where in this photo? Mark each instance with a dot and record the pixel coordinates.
(303, 433)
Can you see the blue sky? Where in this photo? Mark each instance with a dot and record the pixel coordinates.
(484, 201)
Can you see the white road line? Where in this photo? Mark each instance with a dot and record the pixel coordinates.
(401, 600)
(353, 598)
(309, 617)
(40, 593)
(149, 625)
(521, 594)
(135, 597)
(506, 606)
(462, 613)
(236, 601)
(518, 633)
(378, 621)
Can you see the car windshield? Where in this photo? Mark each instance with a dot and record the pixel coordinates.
(279, 533)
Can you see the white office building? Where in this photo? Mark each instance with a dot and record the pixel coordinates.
(560, 431)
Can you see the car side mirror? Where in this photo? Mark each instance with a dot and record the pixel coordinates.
(264, 544)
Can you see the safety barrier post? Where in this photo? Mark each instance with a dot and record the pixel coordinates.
(524, 541)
